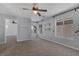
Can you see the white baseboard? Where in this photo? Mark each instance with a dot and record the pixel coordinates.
(67, 45)
(64, 45)
(23, 40)
(2, 42)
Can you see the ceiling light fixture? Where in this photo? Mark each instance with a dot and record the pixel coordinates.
(35, 11)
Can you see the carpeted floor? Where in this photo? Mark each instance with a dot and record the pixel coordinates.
(37, 47)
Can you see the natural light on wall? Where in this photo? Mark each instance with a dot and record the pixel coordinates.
(36, 18)
(6, 26)
(35, 12)
(6, 21)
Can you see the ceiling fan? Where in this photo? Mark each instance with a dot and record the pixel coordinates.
(35, 9)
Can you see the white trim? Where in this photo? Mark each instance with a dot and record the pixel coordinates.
(23, 40)
(5, 33)
(3, 42)
(63, 44)
(67, 45)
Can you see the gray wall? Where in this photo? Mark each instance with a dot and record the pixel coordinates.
(2, 26)
(24, 29)
(2, 29)
(23, 34)
(50, 35)
(46, 33)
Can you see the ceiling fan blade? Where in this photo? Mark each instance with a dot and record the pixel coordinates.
(26, 9)
(42, 10)
(39, 14)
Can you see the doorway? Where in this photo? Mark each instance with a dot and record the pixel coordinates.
(10, 31)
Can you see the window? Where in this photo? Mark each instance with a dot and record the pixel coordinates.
(68, 22)
(59, 23)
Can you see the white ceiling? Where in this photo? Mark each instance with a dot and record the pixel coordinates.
(52, 8)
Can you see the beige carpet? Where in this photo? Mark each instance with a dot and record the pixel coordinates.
(37, 47)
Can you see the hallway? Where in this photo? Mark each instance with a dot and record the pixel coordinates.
(36, 47)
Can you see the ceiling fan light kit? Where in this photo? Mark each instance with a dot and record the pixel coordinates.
(35, 12)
